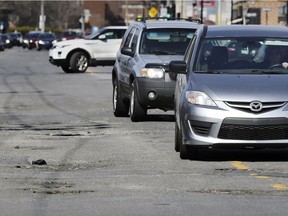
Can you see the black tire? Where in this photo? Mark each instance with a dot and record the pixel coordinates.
(79, 62)
(66, 69)
(187, 152)
(120, 108)
(177, 138)
(137, 111)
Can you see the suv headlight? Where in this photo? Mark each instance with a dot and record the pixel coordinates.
(153, 73)
(200, 98)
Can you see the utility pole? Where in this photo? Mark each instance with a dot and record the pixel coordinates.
(42, 17)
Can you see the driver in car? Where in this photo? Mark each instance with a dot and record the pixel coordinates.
(274, 57)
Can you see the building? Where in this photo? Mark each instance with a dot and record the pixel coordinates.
(264, 12)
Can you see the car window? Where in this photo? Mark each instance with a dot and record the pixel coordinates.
(242, 55)
(165, 41)
(134, 40)
(128, 41)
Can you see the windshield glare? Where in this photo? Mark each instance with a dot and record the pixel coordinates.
(243, 55)
(165, 41)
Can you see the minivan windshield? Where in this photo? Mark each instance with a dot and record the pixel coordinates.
(243, 55)
(165, 41)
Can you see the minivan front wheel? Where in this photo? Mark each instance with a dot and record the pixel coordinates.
(79, 62)
(137, 111)
(186, 151)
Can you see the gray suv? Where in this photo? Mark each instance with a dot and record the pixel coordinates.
(140, 77)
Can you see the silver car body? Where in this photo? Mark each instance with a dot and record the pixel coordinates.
(241, 104)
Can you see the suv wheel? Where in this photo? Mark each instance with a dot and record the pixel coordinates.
(137, 111)
(120, 108)
(66, 69)
(79, 62)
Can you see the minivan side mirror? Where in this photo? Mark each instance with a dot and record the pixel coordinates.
(127, 51)
(179, 67)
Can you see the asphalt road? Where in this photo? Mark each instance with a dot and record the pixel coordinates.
(101, 165)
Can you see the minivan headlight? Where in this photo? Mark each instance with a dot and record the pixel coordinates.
(153, 73)
(200, 98)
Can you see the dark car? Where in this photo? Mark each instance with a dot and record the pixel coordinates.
(232, 101)
(16, 38)
(6, 40)
(29, 41)
(2, 45)
(140, 77)
(70, 34)
(45, 41)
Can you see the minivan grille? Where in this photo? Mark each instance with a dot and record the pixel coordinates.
(245, 106)
(254, 129)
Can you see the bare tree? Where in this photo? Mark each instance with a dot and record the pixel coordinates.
(59, 14)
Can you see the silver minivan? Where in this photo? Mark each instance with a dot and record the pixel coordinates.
(232, 89)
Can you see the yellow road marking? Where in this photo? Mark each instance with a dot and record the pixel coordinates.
(261, 177)
(279, 187)
(239, 165)
(89, 70)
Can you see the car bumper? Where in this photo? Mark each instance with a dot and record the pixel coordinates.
(57, 62)
(55, 57)
(226, 128)
(163, 92)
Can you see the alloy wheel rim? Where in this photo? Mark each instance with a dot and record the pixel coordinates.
(82, 63)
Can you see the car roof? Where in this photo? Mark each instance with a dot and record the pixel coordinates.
(115, 27)
(150, 24)
(247, 31)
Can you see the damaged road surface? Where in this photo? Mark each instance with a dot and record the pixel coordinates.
(62, 152)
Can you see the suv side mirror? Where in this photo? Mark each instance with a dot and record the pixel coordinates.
(102, 37)
(127, 51)
(178, 67)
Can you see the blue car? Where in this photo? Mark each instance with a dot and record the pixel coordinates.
(2, 45)
(45, 41)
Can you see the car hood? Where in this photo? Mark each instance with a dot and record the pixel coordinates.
(242, 87)
(70, 42)
(160, 59)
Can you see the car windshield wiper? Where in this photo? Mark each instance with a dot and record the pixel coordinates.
(214, 72)
(269, 71)
(162, 52)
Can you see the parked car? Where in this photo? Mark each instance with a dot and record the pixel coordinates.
(6, 40)
(237, 101)
(16, 38)
(75, 56)
(29, 41)
(45, 41)
(70, 34)
(140, 77)
(2, 45)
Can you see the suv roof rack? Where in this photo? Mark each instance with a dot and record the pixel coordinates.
(144, 19)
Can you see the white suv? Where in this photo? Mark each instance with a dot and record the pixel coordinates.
(75, 56)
